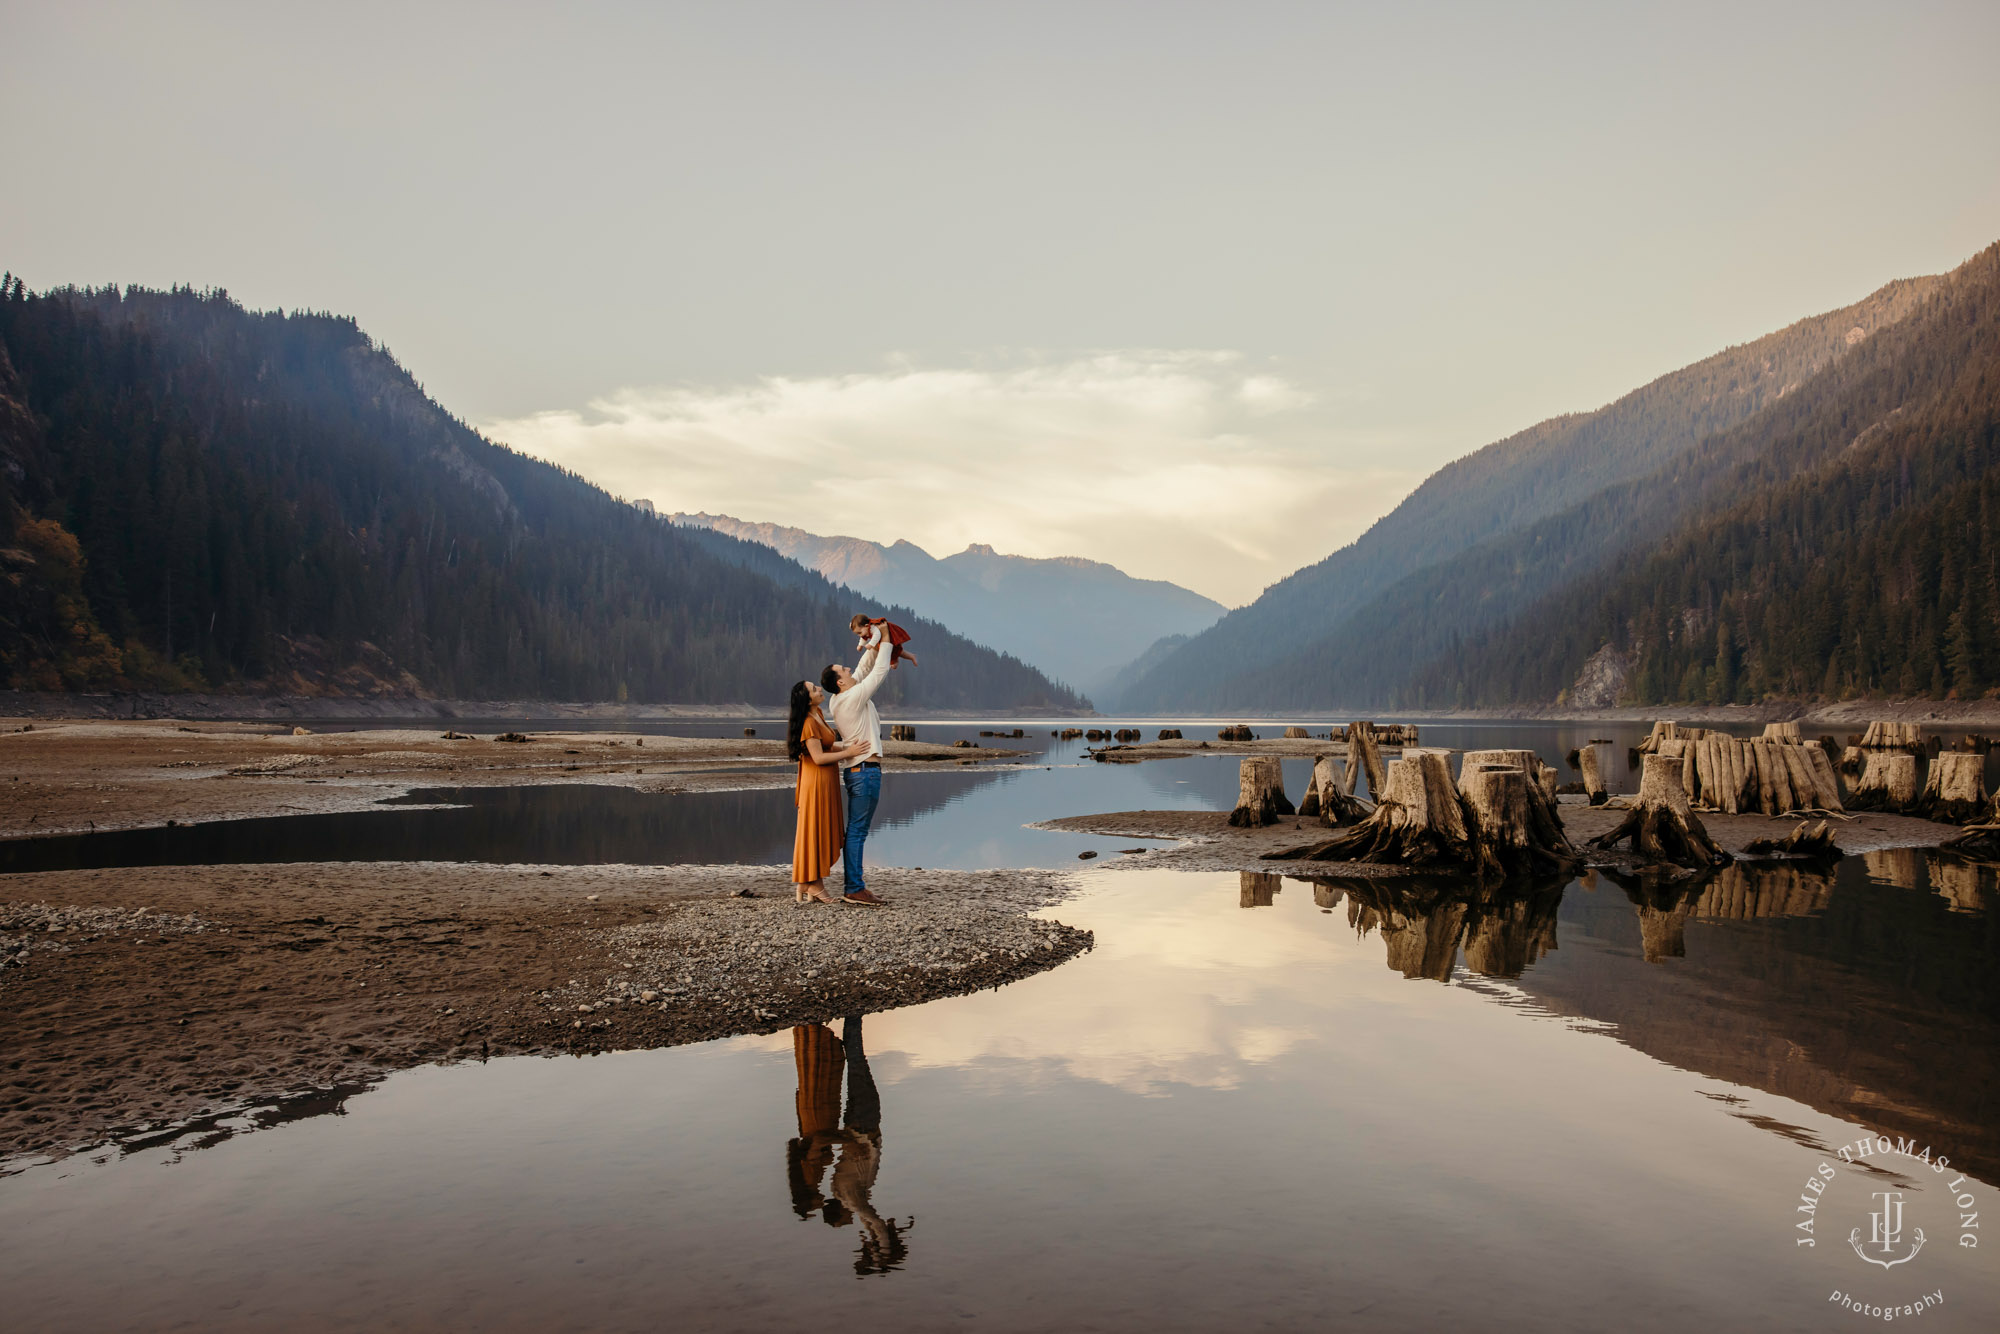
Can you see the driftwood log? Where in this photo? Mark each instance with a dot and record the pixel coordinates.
(1811, 840)
(1662, 826)
(1889, 783)
(1260, 798)
(1955, 790)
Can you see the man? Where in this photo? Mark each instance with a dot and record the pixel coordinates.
(851, 702)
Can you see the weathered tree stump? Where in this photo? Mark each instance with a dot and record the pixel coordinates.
(1592, 758)
(1662, 731)
(1892, 736)
(1811, 840)
(1889, 783)
(1662, 826)
(1336, 807)
(1309, 803)
(1364, 754)
(1785, 734)
(1955, 791)
(1981, 842)
(1260, 798)
(1297, 734)
(1419, 821)
(1498, 825)
(1513, 827)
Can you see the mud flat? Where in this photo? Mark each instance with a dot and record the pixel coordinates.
(1204, 840)
(73, 777)
(175, 998)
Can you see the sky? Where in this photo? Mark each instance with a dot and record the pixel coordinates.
(1201, 290)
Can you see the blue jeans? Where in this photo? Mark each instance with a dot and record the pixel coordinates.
(864, 791)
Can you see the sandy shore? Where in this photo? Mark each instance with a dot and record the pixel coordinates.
(72, 777)
(170, 995)
(178, 996)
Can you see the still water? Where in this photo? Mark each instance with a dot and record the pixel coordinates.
(1259, 1103)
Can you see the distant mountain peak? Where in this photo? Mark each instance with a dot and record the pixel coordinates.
(1078, 620)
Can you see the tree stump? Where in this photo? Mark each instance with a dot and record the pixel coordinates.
(1662, 826)
(1260, 798)
(1498, 827)
(1513, 827)
(1297, 734)
(1364, 753)
(1309, 803)
(1892, 736)
(1955, 791)
(1785, 734)
(1419, 821)
(1325, 798)
(1540, 776)
(1889, 783)
(1591, 758)
(1982, 841)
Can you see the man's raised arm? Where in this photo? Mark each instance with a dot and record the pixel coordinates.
(871, 670)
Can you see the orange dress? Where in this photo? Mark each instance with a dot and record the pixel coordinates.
(817, 845)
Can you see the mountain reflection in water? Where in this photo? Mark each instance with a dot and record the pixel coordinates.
(1806, 982)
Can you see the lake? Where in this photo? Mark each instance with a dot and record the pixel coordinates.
(1259, 1102)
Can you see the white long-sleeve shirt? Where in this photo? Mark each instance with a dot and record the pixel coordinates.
(853, 709)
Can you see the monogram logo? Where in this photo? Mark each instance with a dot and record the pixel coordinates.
(1885, 1233)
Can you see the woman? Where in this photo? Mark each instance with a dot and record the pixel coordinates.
(810, 741)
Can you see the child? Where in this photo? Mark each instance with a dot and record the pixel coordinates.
(864, 626)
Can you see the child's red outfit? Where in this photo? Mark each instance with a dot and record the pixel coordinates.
(896, 635)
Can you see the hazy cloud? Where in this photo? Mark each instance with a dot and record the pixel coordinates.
(1193, 466)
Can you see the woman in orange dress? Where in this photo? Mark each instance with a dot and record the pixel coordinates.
(812, 742)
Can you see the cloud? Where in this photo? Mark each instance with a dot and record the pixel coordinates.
(1192, 466)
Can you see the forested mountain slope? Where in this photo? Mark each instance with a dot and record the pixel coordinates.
(1860, 554)
(197, 496)
(1080, 621)
(1502, 489)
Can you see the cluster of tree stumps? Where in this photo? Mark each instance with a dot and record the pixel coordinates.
(1499, 820)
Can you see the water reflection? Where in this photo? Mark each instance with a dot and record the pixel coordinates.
(851, 1146)
(1427, 921)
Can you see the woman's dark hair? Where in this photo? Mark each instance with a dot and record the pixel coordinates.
(802, 707)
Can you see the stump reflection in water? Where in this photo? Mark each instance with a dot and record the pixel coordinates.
(1426, 920)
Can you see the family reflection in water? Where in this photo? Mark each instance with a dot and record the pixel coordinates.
(851, 1146)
